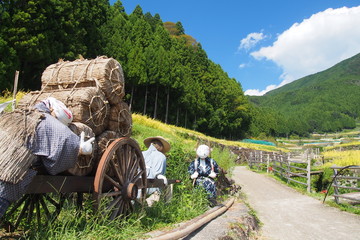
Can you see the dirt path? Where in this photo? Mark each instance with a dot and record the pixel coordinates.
(287, 214)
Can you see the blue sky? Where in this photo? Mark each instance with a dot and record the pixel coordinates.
(265, 44)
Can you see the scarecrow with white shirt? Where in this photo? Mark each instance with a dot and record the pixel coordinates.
(155, 161)
(203, 171)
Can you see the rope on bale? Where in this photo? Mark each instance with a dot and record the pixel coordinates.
(78, 80)
(120, 119)
(127, 127)
(103, 110)
(88, 105)
(102, 72)
(105, 139)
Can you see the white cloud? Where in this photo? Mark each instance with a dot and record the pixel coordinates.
(242, 65)
(251, 40)
(258, 92)
(315, 44)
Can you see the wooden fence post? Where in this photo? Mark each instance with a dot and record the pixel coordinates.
(308, 176)
(250, 159)
(288, 169)
(15, 89)
(335, 184)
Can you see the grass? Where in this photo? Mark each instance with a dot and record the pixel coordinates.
(352, 144)
(8, 96)
(341, 158)
(86, 224)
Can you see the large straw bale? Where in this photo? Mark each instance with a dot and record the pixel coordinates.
(88, 105)
(85, 163)
(16, 129)
(120, 119)
(105, 73)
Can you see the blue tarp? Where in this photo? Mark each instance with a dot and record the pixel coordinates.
(259, 142)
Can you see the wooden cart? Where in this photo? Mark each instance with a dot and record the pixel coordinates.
(119, 182)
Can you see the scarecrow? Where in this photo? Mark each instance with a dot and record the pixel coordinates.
(43, 140)
(155, 161)
(203, 170)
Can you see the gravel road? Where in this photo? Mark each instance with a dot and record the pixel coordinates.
(288, 214)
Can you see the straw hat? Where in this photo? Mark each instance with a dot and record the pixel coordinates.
(164, 142)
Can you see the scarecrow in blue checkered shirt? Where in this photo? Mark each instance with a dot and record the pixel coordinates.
(55, 146)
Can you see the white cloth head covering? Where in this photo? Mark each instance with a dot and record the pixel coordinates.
(62, 113)
(203, 151)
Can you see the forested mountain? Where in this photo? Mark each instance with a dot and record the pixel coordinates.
(327, 101)
(167, 73)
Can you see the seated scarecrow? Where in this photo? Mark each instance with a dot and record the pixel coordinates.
(155, 161)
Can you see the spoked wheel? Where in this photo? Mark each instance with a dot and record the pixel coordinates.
(33, 210)
(120, 179)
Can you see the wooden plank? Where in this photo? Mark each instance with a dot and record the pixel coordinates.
(84, 184)
(357, 167)
(347, 177)
(346, 187)
(297, 181)
(291, 174)
(351, 196)
(316, 172)
(63, 184)
(298, 168)
(159, 182)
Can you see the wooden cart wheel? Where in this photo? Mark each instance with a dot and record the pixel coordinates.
(120, 179)
(32, 210)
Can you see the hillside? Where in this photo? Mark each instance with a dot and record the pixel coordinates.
(167, 73)
(322, 102)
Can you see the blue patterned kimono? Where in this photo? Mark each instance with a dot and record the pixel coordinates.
(203, 179)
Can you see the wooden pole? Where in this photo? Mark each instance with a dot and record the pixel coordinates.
(335, 185)
(195, 223)
(15, 89)
(308, 173)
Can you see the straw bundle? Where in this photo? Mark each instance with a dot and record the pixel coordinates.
(85, 163)
(102, 72)
(87, 104)
(104, 140)
(120, 119)
(16, 128)
(93, 91)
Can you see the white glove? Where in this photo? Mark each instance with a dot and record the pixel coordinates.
(212, 174)
(194, 175)
(163, 178)
(85, 147)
